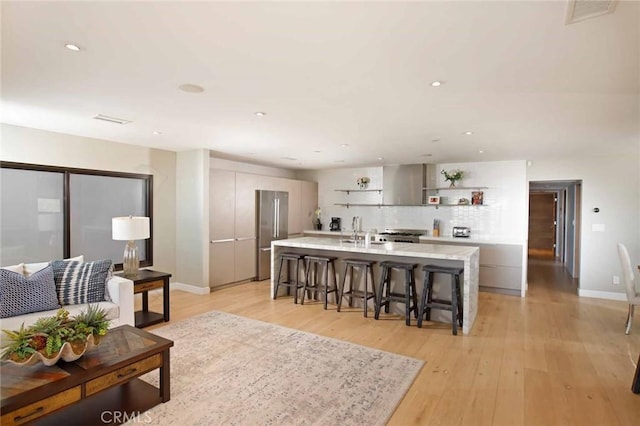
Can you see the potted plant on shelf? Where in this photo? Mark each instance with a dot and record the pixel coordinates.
(50, 339)
(363, 182)
(452, 176)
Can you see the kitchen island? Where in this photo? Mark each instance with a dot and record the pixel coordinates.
(422, 254)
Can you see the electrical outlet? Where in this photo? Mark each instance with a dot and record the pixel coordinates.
(616, 280)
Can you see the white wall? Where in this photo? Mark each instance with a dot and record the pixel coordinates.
(503, 217)
(25, 145)
(611, 184)
(236, 166)
(192, 218)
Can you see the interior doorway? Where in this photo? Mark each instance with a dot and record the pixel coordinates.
(554, 223)
(542, 224)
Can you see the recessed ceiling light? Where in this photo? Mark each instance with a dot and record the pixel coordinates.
(317, 150)
(468, 133)
(260, 113)
(344, 145)
(435, 140)
(73, 47)
(191, 88)
(380, 158)
(436, 83)
(339, 161)
(157, 133)
(481, 152)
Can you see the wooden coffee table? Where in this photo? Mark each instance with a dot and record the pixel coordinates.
(99, 388)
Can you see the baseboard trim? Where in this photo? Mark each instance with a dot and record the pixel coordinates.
(189, 288)
(609, 295)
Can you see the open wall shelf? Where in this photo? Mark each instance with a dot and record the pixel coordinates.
(457, 188)
(347, 205)
(379, 191)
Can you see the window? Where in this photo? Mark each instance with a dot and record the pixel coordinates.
(52, 213)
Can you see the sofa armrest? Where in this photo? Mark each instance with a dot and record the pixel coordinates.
(121, 292)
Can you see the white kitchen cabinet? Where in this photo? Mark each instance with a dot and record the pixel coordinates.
(245, 259)
(222, 263)
(294, 222)
(222, 191)
(500, 266)
(245, 205)
(501, 277)
(303, 200)
(232, 224)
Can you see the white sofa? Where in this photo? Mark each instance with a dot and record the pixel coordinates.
(120, 310)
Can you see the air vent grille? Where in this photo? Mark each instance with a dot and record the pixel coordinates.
(579, 10)
(111, 119)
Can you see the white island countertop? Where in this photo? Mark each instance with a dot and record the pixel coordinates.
(427, 251)
(465, 256)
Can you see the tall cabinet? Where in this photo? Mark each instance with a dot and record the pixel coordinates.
(232, 227)
(232, 220)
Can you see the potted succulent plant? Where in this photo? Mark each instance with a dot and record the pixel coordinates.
(50, 339)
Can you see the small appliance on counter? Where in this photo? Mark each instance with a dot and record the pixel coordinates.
(398, 235)
(461, 232)
(335, 224)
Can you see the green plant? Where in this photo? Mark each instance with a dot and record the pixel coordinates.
(92, 321)
(48, 334)
(453, 175)
(19, 347)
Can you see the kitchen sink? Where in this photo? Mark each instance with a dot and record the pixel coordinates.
(373, 243)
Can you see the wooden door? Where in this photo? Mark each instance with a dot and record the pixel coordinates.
(542, 224)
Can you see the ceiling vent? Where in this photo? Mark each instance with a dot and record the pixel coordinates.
(111, 119)
(579, 10)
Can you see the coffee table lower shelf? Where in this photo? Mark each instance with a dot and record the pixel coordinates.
(113, 406)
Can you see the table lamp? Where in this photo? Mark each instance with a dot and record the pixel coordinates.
(130, 228)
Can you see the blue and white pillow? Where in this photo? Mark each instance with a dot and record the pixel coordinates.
(23, 295)
(81, 282)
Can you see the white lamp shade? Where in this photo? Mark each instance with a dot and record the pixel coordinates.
(129, 228)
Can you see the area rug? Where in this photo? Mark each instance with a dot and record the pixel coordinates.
(231, 370)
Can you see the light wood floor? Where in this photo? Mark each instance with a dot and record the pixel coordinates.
(550, 358)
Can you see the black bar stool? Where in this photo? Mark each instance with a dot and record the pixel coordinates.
(366, 267)
(385, 295)
(427, 302)
(323, 285)
(291, 281)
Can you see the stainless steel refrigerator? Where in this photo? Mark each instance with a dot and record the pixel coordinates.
(272, 219)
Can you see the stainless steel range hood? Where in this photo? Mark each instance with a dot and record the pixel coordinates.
(402, 184)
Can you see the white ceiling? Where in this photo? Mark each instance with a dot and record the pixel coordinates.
(327, 74)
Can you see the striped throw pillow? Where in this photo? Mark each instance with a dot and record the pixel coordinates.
(81, 282)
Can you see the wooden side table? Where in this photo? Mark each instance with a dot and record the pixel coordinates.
(147, 280)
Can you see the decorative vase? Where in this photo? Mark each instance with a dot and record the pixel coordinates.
(318, 225)
(452, 184)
